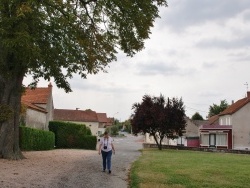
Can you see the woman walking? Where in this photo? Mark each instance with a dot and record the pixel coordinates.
(106, 147)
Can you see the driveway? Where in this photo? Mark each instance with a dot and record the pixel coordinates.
(89, 173)
(71, 168)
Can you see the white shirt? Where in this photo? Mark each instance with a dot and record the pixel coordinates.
(106, 142)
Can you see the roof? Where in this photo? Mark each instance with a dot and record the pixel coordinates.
(75, 115)
(200, 122)
(236, 106)
(102, 117)
(39, 95)
(216, 126)
(34, 107)
(213, 119)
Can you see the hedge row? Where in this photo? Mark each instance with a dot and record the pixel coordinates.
(72, 135)
(34, 139)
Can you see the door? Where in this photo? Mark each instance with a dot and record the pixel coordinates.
(212, 140)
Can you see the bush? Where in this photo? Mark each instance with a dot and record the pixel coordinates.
(72, 135)
(34, 139)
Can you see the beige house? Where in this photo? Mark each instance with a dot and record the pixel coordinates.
(230, 129)
(39, 107)
(97, 122)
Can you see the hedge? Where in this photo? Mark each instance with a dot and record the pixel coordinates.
(72, 135)
(35, 139)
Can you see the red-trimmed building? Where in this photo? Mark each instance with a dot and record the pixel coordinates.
(230, 129)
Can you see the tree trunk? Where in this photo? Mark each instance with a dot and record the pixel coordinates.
(156, 140)
(10, 102)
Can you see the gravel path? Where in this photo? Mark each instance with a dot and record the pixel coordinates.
(71, 168)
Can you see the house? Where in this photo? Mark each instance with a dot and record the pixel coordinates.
(104, 122)
(38, 104)
(190, 136)
(230, 129)
(97, 122)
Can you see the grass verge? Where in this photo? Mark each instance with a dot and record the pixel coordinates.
(190, 169)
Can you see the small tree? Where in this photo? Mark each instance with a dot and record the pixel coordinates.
(216, 109)
(158, 117)
(127, 126)
(197, 116)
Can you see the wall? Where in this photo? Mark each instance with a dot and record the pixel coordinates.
(35, 119)
(92, 125)
(192, 130)
(241, 128)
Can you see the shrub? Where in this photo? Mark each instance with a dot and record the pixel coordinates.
(34, 139)
(72, 135)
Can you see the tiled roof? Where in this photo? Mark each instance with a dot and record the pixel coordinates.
(75, 115)
(102, 117)
(34, 107)
(213, 119)
(110, 121)
(200, 122)
(235, 106)
(39, 95)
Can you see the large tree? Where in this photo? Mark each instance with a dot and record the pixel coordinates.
(57, 39)
(159, 117)
(216, 109)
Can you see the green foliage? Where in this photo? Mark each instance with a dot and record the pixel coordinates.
(5, 112)
(159, 117)
(72, 135)
(197, 116)
(34, 139)
(114, 130)
(60, 38)
(127, 125)
(216, 109)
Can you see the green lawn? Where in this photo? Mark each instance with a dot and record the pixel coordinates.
(181, 168)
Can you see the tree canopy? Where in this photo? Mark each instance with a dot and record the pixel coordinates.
(197, 116)
(216, 109)
(57, 39)
(159, 117)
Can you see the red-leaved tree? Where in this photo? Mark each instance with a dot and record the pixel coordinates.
(159, 117)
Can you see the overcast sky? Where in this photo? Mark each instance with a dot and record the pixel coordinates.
(198, 50)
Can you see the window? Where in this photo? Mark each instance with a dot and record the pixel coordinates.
(204, 139)
(221, 139)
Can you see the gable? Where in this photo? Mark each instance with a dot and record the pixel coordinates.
(36, 98)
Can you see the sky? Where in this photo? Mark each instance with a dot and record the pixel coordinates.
(198, 51)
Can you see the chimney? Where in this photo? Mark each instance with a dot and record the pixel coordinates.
(248, 94)
(50, 85)
(77, 108)
(232, 101)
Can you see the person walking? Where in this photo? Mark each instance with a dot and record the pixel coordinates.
(106, 148)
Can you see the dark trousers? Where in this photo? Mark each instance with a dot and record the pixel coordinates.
(106, 159)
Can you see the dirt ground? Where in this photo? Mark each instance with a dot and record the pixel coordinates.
(70, 167)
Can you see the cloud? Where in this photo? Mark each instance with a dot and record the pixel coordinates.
(240, 42)
(182, 14)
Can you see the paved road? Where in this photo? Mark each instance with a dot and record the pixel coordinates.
(88, 172)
